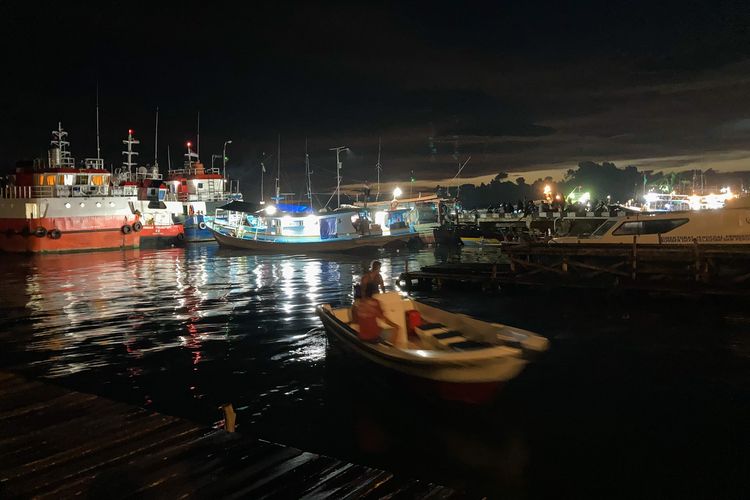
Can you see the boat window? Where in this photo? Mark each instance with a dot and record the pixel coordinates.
(659, 226)
(627, 228)
(200, 185)
(602, 230)
(82, 180)
(50, 180)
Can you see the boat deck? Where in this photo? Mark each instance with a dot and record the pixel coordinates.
(57, 443)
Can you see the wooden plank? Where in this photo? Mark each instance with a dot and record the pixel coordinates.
(176, 471)
(88, 442)
(82, 445)
(78, 475)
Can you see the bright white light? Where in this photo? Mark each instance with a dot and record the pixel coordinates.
(585, 197)
(651, 197)
(82, 204)
(547, 189)
(67, 205)
(695, 202)
(397, 192)
(270, 210)
(286, 220)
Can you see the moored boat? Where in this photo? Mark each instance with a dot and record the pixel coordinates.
(158, 209)
(454, 355)
(59, 207)
(201, 191)
(282, 229)
(724, 226)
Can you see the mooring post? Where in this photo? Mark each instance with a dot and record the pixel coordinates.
(635, 259)
(697, 255)
(229, 417)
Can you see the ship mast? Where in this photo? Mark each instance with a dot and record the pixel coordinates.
(378, 168)
(308, 174)
(98, 151)
(59, 156)
(278, 171)
(156, 139)
(129, 154)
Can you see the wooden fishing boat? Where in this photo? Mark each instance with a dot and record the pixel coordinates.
(453, 355)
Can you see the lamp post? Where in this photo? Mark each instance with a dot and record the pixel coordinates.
(338, 150)
(213, 157)
(224, 157)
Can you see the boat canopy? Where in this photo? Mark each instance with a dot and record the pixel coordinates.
(241, 206)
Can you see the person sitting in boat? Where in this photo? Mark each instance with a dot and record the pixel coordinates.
(372, 280)
(368, 312)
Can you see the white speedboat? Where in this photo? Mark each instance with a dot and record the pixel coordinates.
(459, 357)
(725, 226)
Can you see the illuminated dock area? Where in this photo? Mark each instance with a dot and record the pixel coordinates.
(58, 443)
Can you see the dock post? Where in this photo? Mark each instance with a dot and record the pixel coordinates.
(696, 252)
(229, 417)
(635, 259)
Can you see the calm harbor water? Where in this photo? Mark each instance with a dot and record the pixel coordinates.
(636, 397)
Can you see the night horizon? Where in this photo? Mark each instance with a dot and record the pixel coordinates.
(517, 88)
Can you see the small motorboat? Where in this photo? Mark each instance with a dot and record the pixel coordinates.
(454, 355)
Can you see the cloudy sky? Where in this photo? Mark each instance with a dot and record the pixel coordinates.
(528, 88)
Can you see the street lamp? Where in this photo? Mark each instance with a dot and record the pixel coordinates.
(224, 157)
(213, 157)
(338, 150)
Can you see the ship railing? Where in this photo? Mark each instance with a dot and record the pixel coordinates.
(11, 192)
(194, 171)
(218, 196)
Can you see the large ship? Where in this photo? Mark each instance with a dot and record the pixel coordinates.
(158, 209)
(201, 191)
(60, 207)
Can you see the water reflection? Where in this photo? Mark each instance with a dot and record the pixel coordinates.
(185, 330)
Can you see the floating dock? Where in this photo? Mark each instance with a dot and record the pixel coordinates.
(679, 269)
(57, 443)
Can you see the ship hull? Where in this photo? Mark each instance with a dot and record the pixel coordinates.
(162, 236)
(74, 234)
(75, 224)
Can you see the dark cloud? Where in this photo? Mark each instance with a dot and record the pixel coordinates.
(515, 85)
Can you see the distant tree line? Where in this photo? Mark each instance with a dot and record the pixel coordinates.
(599, 180)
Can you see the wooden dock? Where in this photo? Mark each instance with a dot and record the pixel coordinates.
(57, 443)
(672, 269)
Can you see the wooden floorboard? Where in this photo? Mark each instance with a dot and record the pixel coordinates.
(58, 443)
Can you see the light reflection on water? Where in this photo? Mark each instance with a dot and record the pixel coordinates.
(185, 330)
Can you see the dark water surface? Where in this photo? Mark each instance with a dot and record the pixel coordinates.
(636, 397)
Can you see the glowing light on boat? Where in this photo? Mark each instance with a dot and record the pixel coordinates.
(270, 210)
(397, 192)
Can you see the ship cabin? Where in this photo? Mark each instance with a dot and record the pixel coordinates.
(196, 183)
(58, 181)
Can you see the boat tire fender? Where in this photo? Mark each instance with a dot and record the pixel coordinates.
(180, 236)
(202, 225)
(137, 226)
(126, 229)
(40, 232)
(54, 234)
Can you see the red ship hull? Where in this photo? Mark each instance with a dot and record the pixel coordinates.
(160, 236)
(68, 234)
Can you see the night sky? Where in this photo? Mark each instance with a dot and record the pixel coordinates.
(518, 86)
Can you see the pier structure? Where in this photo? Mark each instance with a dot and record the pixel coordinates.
(680, 269)
(58, 443)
